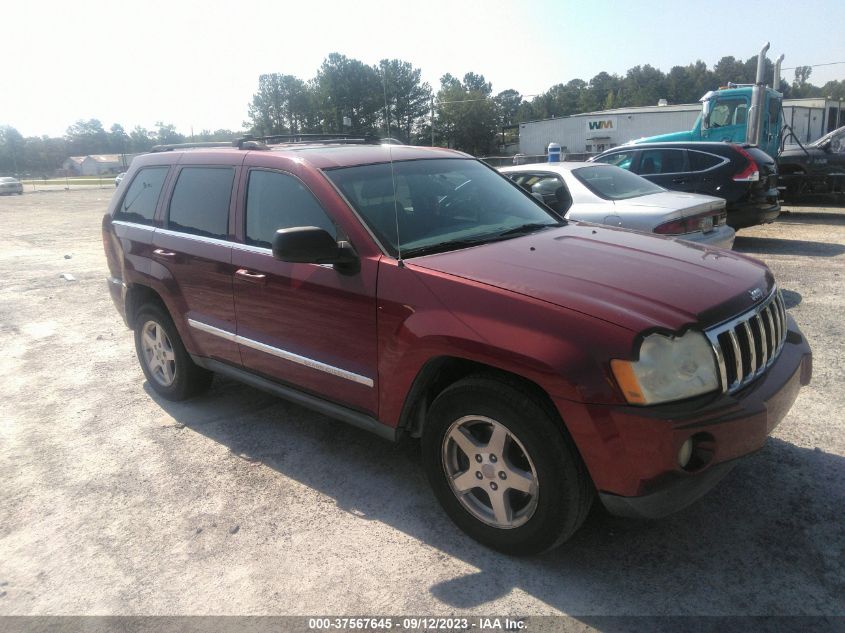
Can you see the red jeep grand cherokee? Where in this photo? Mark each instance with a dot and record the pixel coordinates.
(415, 291)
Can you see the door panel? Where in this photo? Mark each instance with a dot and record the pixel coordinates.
(196, 250)
(201, 273)
(304, 324)
(309, 325)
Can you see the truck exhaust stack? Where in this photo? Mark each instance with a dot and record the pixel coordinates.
(761, 65)
(776, 80)
(754, 127)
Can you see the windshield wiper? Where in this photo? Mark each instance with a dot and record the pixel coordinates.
(440, 247)
(530, 227)
(430, 249)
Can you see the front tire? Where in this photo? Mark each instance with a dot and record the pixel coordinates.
(164, 359)
(503, 467)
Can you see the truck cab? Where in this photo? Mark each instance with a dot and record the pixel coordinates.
(724, 117)
(747, 113)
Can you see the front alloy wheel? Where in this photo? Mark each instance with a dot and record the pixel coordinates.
(490, 472)
(503, 466)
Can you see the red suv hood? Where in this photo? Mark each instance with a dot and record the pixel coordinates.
(632, 279)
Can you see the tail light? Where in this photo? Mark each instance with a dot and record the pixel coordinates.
(751, 173)
(692, 224)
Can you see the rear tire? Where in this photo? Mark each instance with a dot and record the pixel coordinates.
(503, 467)
(164, 359)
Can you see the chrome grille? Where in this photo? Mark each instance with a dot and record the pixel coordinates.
(747, 345)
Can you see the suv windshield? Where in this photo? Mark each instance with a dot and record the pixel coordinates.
(613, 183)
(439, 204)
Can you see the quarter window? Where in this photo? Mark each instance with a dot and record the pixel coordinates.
(699, 161)
(139, 203)
(200, 202)
(280, 201)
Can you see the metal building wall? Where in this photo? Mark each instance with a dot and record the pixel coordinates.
(571, 132)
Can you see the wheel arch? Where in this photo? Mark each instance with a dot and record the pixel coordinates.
(440, 372)
(137, 295)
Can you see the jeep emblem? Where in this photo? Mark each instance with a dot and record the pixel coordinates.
(756, 294)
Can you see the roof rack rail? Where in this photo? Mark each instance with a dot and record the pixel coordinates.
(241, 143)
(172, 146)
(261, 142)
(350, 139)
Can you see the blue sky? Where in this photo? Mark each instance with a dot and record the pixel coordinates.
(197, 63)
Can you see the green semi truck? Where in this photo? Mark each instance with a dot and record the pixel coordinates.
(739, 113)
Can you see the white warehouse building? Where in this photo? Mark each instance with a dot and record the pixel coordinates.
(594, 132)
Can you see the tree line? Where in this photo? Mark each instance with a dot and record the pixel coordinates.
(391, 99)
(41, 156)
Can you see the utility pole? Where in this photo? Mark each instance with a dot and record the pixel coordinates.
(432, 121)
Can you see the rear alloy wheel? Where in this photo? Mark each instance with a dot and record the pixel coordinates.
(503, 466)
(164, 359)
(158, 352)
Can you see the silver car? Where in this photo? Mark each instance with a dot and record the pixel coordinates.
(9, 185)
(605, 194)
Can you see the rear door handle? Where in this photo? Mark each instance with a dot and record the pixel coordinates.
(679, 181)
(251, 277)
(160, 252)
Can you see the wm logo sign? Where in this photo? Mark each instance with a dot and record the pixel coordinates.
(600, 125)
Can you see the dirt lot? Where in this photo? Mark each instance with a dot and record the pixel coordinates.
(114, 502)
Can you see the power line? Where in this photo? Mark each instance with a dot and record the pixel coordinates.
(482, 99)
(814, 65)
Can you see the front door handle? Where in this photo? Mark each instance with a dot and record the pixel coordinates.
(679, 181)
(163, 253)
(251, 277)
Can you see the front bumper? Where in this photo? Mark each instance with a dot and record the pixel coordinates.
(642, 478)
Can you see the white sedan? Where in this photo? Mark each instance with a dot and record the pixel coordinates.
(605, 194)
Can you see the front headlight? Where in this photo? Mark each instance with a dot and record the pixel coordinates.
(669, 368)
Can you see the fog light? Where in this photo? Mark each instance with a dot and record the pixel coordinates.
(685, 454)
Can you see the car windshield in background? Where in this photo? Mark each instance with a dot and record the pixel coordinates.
(837, 134)
(439, 204)
(613, 183)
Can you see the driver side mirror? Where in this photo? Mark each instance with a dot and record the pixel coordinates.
(313, 245)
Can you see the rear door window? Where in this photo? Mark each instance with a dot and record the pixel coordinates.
(662, 161)
(276, 200)
(141, 199)
(200, 201)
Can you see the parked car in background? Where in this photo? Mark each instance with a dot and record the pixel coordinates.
(818, 167)
(745, 176)
(9, 185)
(414, 291)
(119, 178)
(609, 195)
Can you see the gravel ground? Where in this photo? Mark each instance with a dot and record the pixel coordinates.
(116, 502)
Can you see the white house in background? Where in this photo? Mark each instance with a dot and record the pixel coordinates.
(96, 164)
